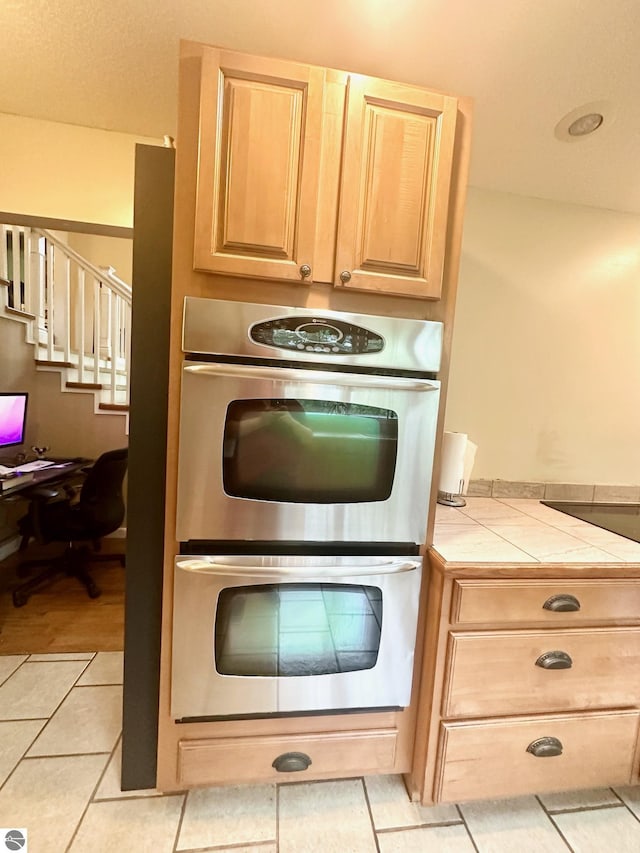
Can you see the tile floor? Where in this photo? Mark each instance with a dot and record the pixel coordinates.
(59, 779)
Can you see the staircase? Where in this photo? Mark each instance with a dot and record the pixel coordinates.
(76, 315)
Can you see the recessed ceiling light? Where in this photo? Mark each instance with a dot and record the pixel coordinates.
(583, 120)
(585, 124)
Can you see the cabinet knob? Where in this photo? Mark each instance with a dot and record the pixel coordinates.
(545, 747)
(290, 762)
(555, 660)
(305, 271)
(345, 276)
(561, 603)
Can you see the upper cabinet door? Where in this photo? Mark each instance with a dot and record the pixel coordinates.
(258, 166)
(398, 158)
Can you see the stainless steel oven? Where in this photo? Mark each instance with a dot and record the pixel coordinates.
(303, 425)
(259, 635)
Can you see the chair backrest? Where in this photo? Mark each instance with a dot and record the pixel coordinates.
(101, 504)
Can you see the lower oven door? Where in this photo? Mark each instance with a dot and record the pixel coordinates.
(282, 634)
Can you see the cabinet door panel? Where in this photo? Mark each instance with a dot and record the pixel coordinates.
(395, 188)
(258, 165)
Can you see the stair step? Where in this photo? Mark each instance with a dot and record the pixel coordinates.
(25, 315)
(88, 386)
(114, 407)
(44, 363)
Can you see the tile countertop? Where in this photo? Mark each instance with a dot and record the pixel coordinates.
(514, 530)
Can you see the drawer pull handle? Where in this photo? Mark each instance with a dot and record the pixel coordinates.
(561, 603)
(545, 747)
(555, 660)
(290, 762)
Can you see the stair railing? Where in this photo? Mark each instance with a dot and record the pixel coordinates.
(80, 313)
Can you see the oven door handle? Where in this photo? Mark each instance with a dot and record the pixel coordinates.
(364, 380)
(211, 567)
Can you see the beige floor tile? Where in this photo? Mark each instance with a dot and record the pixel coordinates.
(118, 825)
(506, 826)
(619, 546)
(613, 830)
(452, 515)
(535, 509)
(251, 848)
(588, 799)
(9, 664)
(89, 720)
(391, 806)
(324, 817)
(48, 796)
(109, 788)
(432, 839)
(631, 796)
(237, 814)
(62, 656)
(15, 739)
(36, 689)
(548, 543)
(105, 668)
(461, 542)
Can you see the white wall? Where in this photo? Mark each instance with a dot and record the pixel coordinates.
(545, 373)
(67, 172)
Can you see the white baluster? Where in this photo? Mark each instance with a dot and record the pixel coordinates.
(4, 260)
(37, 295)
(80, 325)
(50, 294)
(96, 330)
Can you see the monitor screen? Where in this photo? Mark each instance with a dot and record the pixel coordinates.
(13, 418)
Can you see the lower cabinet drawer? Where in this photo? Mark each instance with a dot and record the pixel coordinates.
(509, 673)
(284, 758)
(515, 756)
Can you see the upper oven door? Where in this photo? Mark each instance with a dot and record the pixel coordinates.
(288, 454)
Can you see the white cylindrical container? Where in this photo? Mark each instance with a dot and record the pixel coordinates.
(458, 454)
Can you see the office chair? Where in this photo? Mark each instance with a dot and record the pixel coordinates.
(99, 511)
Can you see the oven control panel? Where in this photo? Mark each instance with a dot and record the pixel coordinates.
(316, 334)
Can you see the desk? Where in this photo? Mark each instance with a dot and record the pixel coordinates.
(60, 472)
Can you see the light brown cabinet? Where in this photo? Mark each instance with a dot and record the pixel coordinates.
(532, 683)
(310, 174)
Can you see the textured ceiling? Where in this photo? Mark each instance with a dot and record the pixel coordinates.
(113, 64)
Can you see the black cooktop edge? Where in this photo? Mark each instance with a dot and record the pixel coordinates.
(620, 518)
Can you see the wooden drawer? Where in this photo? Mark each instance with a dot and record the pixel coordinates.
(250, 759)
(495, 672)
(514, 601)
(487, 759)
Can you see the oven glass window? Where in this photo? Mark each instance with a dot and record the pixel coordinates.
(297, 629)
(309, 451)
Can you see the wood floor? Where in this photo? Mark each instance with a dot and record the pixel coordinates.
(62, 617)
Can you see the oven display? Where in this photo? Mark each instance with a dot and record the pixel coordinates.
(318, 335)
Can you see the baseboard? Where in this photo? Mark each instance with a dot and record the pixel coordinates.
(585, 492)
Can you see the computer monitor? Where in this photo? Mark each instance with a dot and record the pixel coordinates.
(13, 417)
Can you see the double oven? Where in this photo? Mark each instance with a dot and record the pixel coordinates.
(304, 474)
